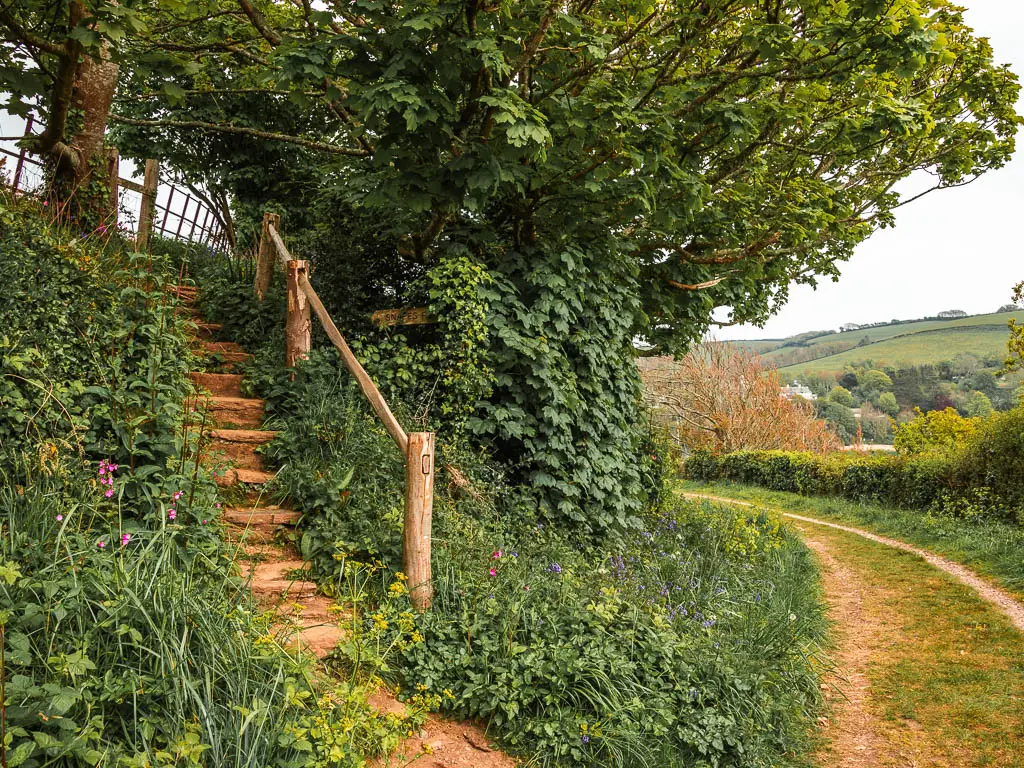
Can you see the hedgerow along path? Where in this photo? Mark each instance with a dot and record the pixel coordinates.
(929, 671)
(308, 620)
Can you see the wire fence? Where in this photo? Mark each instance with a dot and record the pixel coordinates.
(178, 213)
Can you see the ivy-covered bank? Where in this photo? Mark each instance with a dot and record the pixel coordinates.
(127, 639)
(693, 639)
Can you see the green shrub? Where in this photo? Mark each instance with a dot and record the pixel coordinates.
(683, 647)
(983, 472)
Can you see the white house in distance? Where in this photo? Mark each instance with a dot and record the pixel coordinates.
(796, 389)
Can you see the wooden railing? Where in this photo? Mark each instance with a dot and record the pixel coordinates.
(417, 447)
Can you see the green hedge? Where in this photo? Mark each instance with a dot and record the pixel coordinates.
(924, 481)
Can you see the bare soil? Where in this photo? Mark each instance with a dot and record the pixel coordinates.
(851, 732)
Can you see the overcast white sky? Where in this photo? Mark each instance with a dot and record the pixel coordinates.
(954, 249)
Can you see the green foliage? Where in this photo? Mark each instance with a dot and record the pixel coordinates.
(685, 646)
(840, 417)
(523, 133)
(979, 406)
(934, 431)
(132, 645)
(339, 466)
(445, 371)
(887, 404)
(947, 464)
(1015, 344)
(841, 396)
(874, 381)
(93, 351)
(566, 395)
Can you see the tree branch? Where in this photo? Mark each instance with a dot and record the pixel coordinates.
(260, 22)
(319, 146)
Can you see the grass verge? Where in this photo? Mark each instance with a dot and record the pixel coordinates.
(993, 549)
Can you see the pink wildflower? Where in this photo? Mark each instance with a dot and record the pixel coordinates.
(171, 515)
(204, 522)
(177, 495)
(125, 538)
(101, 544)
(109, 492)
(59, 518)
(496, 555)
(494, 571)
(218, 505)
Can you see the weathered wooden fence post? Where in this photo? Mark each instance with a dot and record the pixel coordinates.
(419, 508)
(113, 175)
(150, 181)
(267, 255)
(298, 326)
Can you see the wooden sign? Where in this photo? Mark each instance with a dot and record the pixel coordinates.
(414, 316)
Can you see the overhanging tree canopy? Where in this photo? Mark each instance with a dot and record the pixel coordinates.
(623, 168)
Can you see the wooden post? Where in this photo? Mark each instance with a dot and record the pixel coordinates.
(267, 255)
(298, 326)
(149, 184)
(419, 508)
(113, 174)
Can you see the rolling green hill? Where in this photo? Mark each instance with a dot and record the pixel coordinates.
(906, 344)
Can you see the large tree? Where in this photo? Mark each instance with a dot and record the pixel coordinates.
(58, 57)
(624, 168)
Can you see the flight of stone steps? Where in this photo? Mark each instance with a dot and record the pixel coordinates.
(275, 568)
(230, 446)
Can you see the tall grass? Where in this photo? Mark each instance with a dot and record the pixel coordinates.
(148, 650)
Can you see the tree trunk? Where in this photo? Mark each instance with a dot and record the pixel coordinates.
(83, 159)
(83, 91)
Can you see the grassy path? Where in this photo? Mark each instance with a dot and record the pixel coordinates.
(929, 673)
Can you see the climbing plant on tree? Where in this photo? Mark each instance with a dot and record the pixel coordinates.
(624, 169)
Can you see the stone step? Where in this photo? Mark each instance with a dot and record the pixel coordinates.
(220, 384)
(243, 477)
(185, 294)
(236, 411)
(208, 330)
(260, 517)
(238, 446)
(226, 352)
(271, 582)
(319, 640)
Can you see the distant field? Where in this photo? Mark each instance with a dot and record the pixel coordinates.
(760, 346)
(881, 333)
(934, 343)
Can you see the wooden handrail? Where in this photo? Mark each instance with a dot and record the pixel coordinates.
(369, 389)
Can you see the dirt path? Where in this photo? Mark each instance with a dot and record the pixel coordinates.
(1008, 605)
(928, 675)
(853, 740)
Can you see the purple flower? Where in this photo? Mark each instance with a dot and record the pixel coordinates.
(555, 568)
(585, 739)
